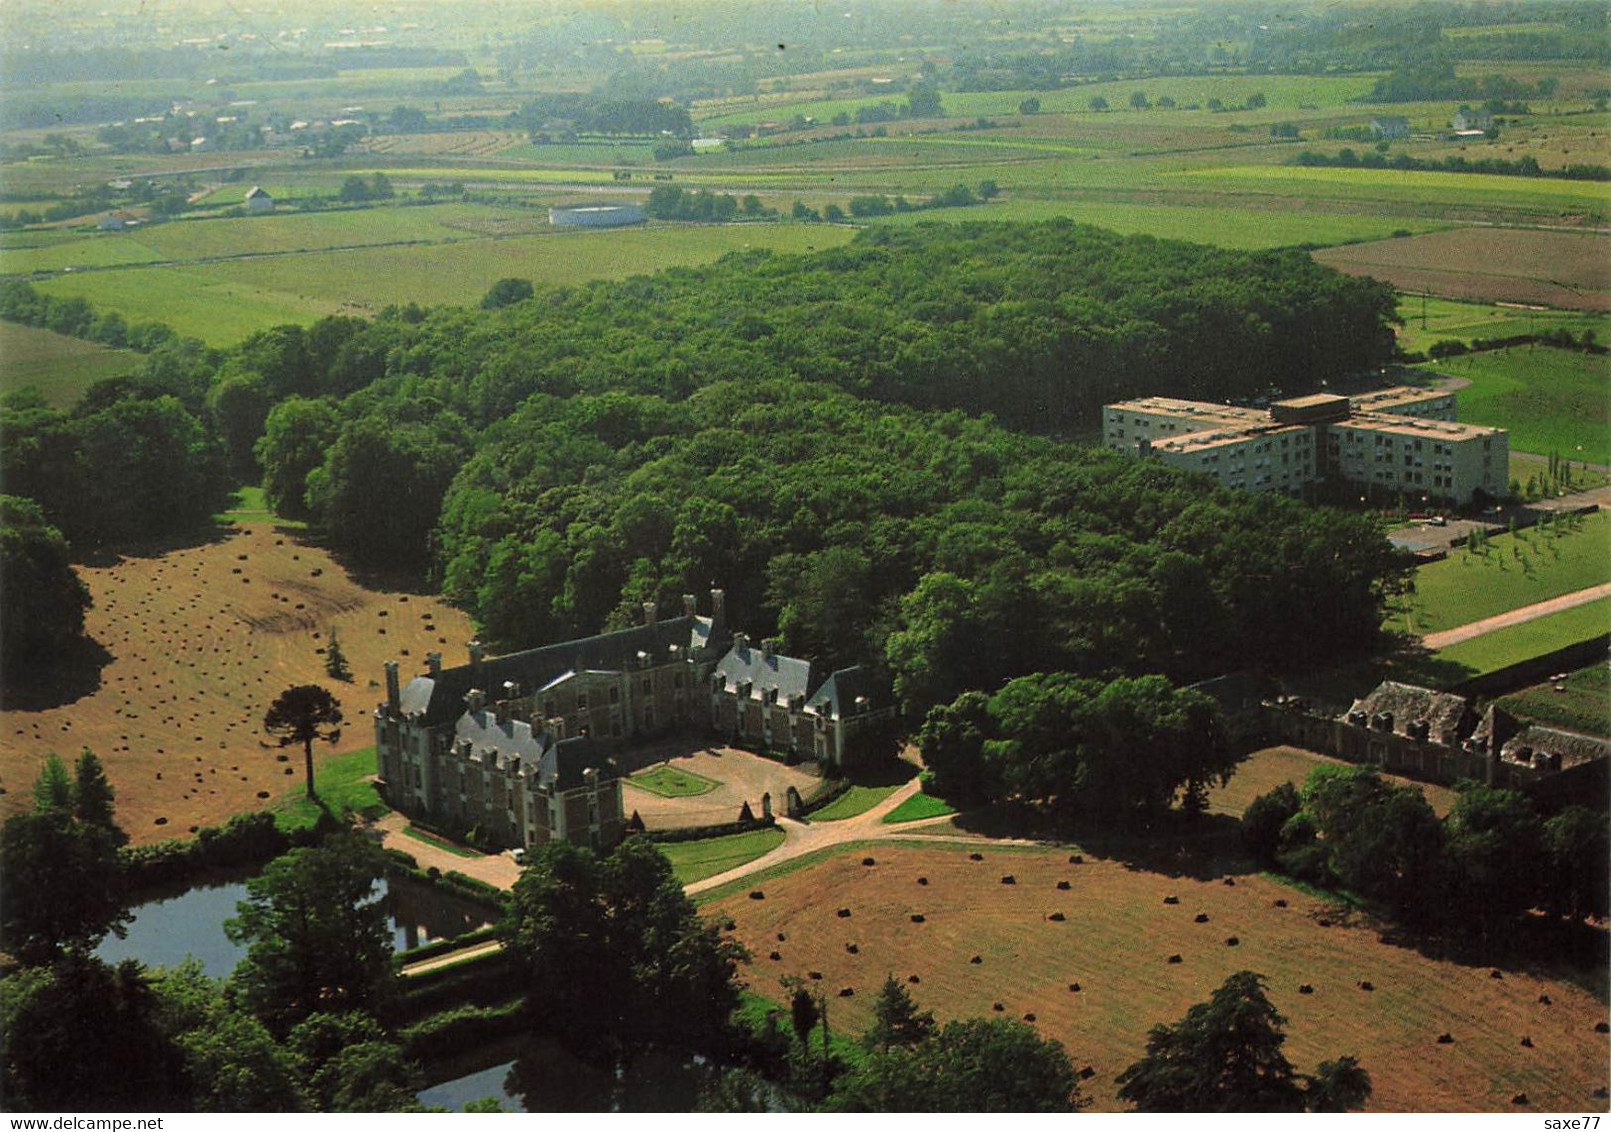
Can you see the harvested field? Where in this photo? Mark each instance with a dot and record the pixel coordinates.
(202, 639)
(1115, 942)
(1558, 269)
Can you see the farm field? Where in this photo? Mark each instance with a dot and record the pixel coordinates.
(1466, 587)
(1248, 228)
(1115, 942)
(59, 367)
(197, 653)
(1561, 269)
(1450, 319)
(1503, 647)
(1264, 770)
(1551, 400)
(222, 302)
(1581, 702)
(1453, 189)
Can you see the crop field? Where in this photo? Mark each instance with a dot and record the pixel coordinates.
(1466, 587)
(1396, 185)
(1551, 400)
(1262, 771)
(1230, 228)
(1562, 269)
(61, 368)
(1114, 942)
(457, 143)
(1448, 318)
(202, 638)
(1504, 647)
(1581, 702)
(222, 302)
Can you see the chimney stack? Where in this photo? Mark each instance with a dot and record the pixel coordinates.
(718, 609)
(766, 648)
(651, 613)
(433, 664)
(476, 699)
(394, 693)
(741, 642)
(689, 606)
(475, 656)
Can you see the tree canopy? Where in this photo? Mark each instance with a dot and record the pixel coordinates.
(43, 601)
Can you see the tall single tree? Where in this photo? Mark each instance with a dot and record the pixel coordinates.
(1225, 1056)
(93, 794)
(302, 715)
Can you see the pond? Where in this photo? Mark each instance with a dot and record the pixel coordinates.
(537, 1074)
(167, 929)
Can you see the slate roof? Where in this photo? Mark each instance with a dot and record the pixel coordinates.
(564, 763)
(791, 677)
(440, 699)
(1449, 717)
(509, 738)
(837, 697)
(558, 766)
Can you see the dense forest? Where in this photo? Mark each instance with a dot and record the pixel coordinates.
(822, 435)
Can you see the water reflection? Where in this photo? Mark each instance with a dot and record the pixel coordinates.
(538, 1074)
(167, 929)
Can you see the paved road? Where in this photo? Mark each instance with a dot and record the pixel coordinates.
(1526, 613)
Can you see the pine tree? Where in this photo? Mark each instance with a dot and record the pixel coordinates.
(93, 794)
(335, 661)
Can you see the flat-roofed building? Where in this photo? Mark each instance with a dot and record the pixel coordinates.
(1402, 440)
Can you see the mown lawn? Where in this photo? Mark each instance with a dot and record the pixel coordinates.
(1504, 647)
(669, 782)
(918, 807)
(1551, 400)
(856, 800)
(1467, 587)
(696, 860)
(341, 782)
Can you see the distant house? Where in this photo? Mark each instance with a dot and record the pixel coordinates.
(117, 221)
(202, 145)
(259, 201)
(1390, 126)
(1466, 118)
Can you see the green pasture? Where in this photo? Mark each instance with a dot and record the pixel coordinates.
(1466, 587)
(581, 153)
(224, 301)
(856, 800)
(59, 367)
(1581, 702)
(23, 252)
(670, 782)
(918, 807)
(1551, 400)
(1282, 92)
(696, 860)
(1226, 226)
(1504, 647)
(1410, 186)
(342, 785)
(1450, 318)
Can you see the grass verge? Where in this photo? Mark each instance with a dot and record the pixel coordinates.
(696, 860)
(1581, 702)
(856, 800)
(918, 807)
(441, 843)
(1504, 647)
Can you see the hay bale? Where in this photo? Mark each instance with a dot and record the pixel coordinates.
(1176, 959)
(1063, 886)
(1076, 859)
(1229, 882)
(917, 917)
(846, 992)
(913, 979)
(1543, 1000)
(1056, 917)
(814, 976)
(853, 949)
(1496, 974)
(1008, 880)
(1232, 941)
(1445, 1039)
(1029, 1017)
(1305, 988)
(1200, 918)
(998, 1007)
(1086, 1073)
(1280, 903)
(774, 956)
(1171, 900)
(868, 862)
(1527, 1043)
(782, 937)
(975, 856)
(922, 880)
(1602, 1028)
(757, 894)
(976, 960)
(1073, 988)
(1366, 985)
(1519, 1098)
(843, 913)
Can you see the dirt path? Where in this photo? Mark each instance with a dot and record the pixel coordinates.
(1526, 613)
(495, 869)
(425, 965)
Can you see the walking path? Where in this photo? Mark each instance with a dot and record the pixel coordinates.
(1447, 637)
